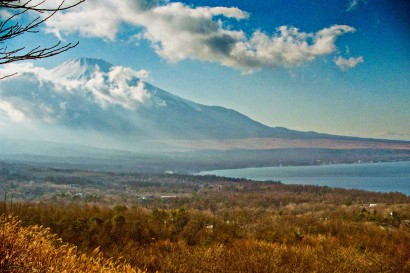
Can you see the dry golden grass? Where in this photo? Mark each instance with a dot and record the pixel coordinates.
(36, 249)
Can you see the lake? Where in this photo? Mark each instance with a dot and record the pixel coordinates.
(381, 177)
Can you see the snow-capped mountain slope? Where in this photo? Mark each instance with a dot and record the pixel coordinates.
(82, 68)
(92, 94)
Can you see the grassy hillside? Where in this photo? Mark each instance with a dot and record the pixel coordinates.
(36, 249)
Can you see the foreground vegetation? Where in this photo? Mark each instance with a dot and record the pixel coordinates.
(35, 249)
(175, 223)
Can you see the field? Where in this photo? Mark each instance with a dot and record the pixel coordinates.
(183, 223)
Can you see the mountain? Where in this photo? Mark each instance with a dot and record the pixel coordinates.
(88, 113)
(92, 95)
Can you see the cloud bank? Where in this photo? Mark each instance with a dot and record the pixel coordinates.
(178, 32)
(80, 93)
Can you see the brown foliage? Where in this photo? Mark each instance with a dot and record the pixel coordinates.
(295, 238)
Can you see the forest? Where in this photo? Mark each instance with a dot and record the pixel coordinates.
(184, 223)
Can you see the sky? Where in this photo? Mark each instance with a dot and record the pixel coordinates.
(339, 67)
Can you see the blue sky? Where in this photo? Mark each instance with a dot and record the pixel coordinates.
(339, 67)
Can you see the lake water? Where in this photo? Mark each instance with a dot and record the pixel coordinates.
(381, 177)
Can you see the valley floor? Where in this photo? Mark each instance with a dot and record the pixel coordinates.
(182, 223)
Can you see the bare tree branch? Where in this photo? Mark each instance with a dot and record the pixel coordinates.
(13, 27)
(27, 5)
(9, 75)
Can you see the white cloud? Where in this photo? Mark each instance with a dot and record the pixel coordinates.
(21, 68)
(13, 113)
(345, 64)
(288, 46)
(113, 88)
(354, 4)
(178, 32)
(47, 95)
(102, 21)
(143, 74)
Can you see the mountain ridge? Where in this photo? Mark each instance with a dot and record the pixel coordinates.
(214, 113)
(92, 94)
